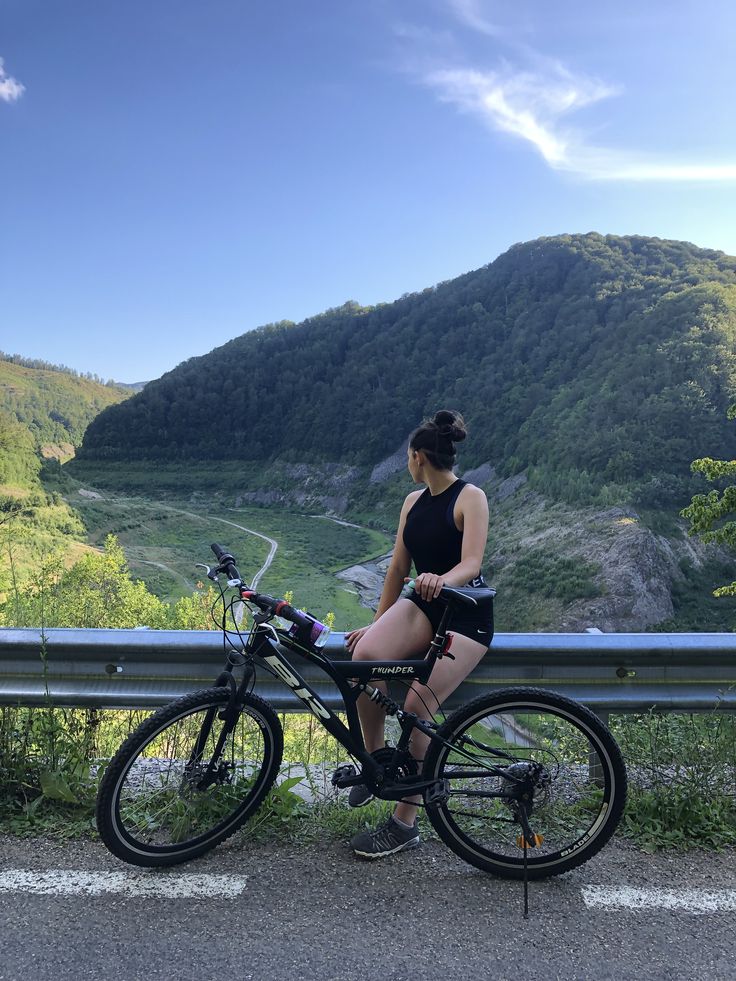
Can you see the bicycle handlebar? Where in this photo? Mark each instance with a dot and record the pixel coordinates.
(226, 560)
(278, 607)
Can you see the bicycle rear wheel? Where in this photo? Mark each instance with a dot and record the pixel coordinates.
(573, 771)
(181, 783)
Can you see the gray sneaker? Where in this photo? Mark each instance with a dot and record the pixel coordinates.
(359, 795)
(387, 839)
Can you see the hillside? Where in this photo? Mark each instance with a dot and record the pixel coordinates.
(54, 404)
(43, 414)
(591, 371)
(601, 366)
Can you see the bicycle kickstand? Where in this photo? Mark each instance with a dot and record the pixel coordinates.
(527, 837)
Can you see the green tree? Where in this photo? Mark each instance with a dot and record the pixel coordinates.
(97, 591)
(712, 516)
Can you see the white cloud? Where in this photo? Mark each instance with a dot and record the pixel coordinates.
(525, 104)
(10, 89)
(469, 12)
(532, 99)
(614, 165)
(531, 106)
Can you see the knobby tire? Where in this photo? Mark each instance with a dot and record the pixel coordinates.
(575, 807)
(158, 804)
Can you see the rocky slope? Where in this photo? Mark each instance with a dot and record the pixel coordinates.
(623, 571)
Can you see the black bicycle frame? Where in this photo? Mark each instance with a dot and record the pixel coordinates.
(267, 643)
(350, 677)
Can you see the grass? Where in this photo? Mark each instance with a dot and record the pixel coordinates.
(163, 541)
(682, 778)
(49, 774)
(310, 550)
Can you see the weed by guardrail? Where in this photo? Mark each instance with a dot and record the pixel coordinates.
(682, 779)
(682, 776)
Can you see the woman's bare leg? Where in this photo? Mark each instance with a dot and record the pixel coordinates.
(403, 631)
(424, 700)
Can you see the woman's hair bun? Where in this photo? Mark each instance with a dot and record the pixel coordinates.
(451, 425)
(437, 437)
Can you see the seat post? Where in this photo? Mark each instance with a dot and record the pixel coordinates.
(438, 641)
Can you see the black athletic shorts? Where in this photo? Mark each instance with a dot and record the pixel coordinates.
(474, 622)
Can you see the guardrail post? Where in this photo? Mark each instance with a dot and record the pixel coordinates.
(595, 771)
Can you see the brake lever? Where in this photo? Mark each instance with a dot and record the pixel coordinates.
(209, 573)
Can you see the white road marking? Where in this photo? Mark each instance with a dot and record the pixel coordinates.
(187, 885)
(696, 901)
(166, 885)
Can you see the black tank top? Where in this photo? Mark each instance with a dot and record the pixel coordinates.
(430, 534)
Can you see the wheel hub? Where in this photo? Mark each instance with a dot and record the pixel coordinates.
(199, 777)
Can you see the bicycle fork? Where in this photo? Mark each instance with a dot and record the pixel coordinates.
(228, 715)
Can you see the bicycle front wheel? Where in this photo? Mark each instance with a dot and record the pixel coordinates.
(554, 750)
(185, 780)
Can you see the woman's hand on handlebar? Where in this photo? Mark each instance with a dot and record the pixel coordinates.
(353, 636)
(428, 585)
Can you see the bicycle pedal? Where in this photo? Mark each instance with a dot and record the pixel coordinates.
(533, 842)
(438, 793)
(343, 774)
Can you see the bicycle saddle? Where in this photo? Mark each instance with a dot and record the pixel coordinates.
(468, 595)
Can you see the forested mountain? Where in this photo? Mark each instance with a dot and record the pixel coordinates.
(600, 365)
(19, 462)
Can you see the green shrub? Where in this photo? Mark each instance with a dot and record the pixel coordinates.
(682, 779)
(548, 574)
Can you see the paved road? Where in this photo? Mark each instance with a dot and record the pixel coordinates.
(311, 912)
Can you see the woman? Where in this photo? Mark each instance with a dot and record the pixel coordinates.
(442, 531)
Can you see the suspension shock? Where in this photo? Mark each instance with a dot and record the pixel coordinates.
(377, 696)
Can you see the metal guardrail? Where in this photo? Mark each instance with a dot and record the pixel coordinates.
(141, 668)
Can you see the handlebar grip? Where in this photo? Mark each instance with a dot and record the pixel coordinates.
(226, 560)
(289, 613)
(279, 607)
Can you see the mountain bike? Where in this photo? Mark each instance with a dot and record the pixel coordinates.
(522, 783)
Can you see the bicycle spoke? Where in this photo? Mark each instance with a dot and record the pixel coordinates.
(548, 782)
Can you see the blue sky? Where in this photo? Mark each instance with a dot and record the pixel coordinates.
(175, 173)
